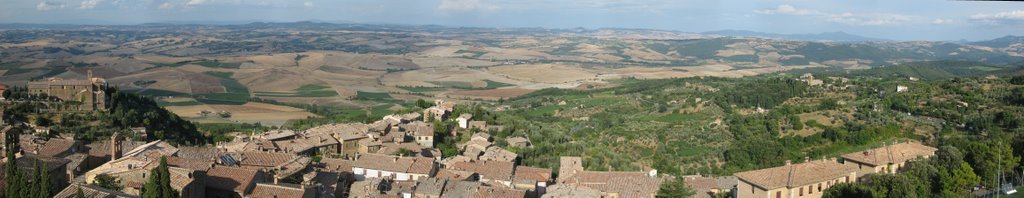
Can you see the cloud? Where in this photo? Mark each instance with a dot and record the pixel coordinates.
(848, 18)
(788, 10)
(195, 2)
(465, 5)
(308, 4)
(1010, 17)
(48, 5)
(166, 5)
(89, 4)
(943, 21)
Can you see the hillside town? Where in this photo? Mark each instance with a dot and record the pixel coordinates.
(396, 157)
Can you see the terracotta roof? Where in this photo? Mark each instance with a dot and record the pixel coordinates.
(891, 154)
(320, 139)
(478, 124)
(230, 178)
(265, 159)
(366, 188)
(794, 175)
(493, 170)
(626, 184)
(328, 180)
(571, 191)
(264, 190)
(533, 174)
(91, 191)
(517, 140)
(337, 165)
(277, 134)
(391, 148)
(186, 163)
(296, 145)
(420, 129)
(498, 192)
(455, 175)
(499, 154)
(397, 164)
(430, 186)
(203, 153)
(701, 184)
(57, 147)
(460, 189)
(28, 162)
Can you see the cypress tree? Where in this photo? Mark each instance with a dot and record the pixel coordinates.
(11, 172)
(159, 183)
(44, 182)
(33, 188)
(78, 193)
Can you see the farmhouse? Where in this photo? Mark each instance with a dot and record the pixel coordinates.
(422, 132)
(464, 120)
(89, 93)
(887, 159)
(397, 168)
(808, 179)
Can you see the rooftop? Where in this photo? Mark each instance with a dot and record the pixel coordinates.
(231, 178)
(265, 190)
(891, 154)
(793, 175)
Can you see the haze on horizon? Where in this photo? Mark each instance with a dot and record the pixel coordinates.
(896, 20)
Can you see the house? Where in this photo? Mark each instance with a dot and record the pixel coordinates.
(610, 184)
(533, 180)
(91, 191)
(90, 92)
(464, 120)
(398, 168)
(403, 118)
(499, 154)
(231, 181)
(888, 158)
(517, 141)
(369, 188)
(901, 89)
(439, 111)
(56, 169)
(492, 172)
(324, 184)
(479, 125)
(281, 190)
(423, 133)
(430, 187)
(808, 179)
(708, 187)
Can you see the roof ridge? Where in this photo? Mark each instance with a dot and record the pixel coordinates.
(789, 178)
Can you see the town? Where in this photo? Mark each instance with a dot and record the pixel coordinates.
(392, 157)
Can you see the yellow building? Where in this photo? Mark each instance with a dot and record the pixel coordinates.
(889, 158)
(803, 180)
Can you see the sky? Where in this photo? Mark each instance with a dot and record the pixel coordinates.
(887, 19)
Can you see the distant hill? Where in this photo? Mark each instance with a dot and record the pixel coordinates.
(825, 36)
(1001, 42)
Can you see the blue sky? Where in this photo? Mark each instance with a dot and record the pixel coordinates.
(890, 19)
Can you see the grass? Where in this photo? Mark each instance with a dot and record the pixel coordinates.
(183, 103)
(235, 93)
(1019, 194)
(372, 95)
(453, 84)
(423, 89)
(309, 90)
(217, 64)
(476, 54)
(495, 84)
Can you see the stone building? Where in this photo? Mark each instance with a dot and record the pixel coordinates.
(90, 93)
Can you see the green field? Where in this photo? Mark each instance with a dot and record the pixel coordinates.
(372, 95)
(185, 103)
(423, 89)
(217, 64)
(309, 90)
(236, 93)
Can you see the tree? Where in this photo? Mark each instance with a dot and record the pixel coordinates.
(423, 103)
(44, 181)
(404, 152)
(848, 190)
(108, 182)
(890, 185)
(674, 188)
(959, 180)
(78, 193)
(159, 183)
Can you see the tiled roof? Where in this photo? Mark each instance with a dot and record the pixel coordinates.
(391, 148)
(203, 153)
(891, 154)
(230, 178)
(416, 165)
(460, 189)
(499, 192)
(454, 175)
(420, 129)
(296, 145)
(793, 175)
(328, 180)
(265, 190)
(337, 165)
(499, 154)
(57, 147)
(366, 188)
(186, 163)
(626, 184)
(493, 170)
(533, 174)
(430, 186)
(277, 134)
(28, 162)
(571, 191)
(91, 191)
(265, 159)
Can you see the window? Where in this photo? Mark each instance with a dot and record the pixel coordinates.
(819, 187)
(801, 191)
(778, 194)
(847, 178)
